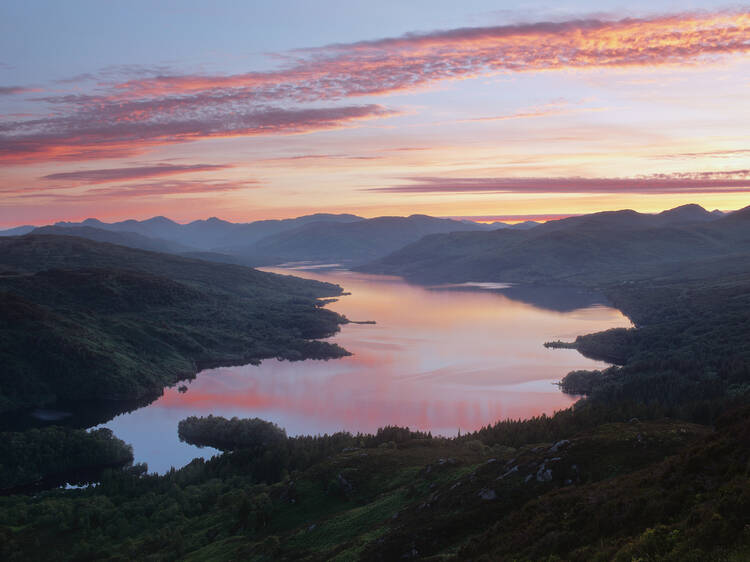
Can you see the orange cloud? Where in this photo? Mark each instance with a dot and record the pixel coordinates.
(403, 63)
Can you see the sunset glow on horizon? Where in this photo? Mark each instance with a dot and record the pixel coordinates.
(126, 110)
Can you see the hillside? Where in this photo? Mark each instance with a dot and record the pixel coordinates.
(17, 231)
(83, 320)
(121, 238)
(653, 490)
(589, 249)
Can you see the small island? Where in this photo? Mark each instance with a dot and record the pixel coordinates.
(559, 344)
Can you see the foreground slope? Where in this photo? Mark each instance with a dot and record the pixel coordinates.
(86, 320)
(652, 490)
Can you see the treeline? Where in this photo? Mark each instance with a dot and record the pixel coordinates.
(228, 435)
(58, 455)
(269, 453)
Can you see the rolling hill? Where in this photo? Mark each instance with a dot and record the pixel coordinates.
(121, 238)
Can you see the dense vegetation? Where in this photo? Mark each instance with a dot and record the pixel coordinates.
(613, 491)
(81, 320)
(228, 435)
(690, 349)
(57, 455)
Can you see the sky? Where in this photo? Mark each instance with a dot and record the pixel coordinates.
(487, 110)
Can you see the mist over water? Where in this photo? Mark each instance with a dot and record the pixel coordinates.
(436, 359)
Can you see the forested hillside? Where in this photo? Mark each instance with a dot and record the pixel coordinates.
(90, 321)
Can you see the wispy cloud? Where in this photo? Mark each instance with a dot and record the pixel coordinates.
(737, 181)
(172, 187)
(62, 194)
(116, 130)
(546, 110)
(130, 173)
(415, 59)
(730, 153)
(13, 90)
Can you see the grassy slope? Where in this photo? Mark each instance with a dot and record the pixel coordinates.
(86, 320)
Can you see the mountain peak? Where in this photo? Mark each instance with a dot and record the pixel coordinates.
(159, 220)
(690, 208)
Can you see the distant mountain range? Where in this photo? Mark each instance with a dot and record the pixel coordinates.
(211, 233)
(343, 238)
(349, 242)
(425, 248)
(595, 248)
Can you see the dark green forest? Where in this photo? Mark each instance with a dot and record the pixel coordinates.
(82, 320)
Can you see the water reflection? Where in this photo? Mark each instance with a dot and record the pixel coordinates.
(436, 360)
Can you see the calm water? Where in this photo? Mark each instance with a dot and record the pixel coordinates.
(437, 359)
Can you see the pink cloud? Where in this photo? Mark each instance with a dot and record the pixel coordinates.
(130, 173)
(737, 181)
(135, 190)
(107, 130)
(413, 60)
(13, 90)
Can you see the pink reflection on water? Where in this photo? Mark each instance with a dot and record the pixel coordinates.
(435, 360)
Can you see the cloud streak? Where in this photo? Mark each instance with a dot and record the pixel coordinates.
(117, 130)
(130, 173)
(55, 194)
(737, 181)
(13, 90)
(172, 187)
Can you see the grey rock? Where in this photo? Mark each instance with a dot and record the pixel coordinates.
(487, 494)
(559, 445)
